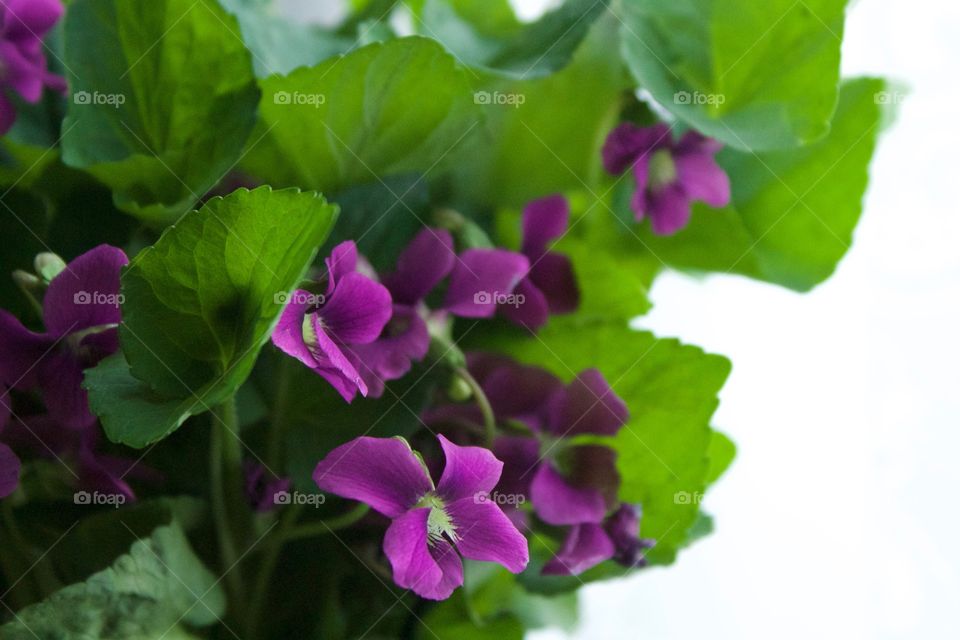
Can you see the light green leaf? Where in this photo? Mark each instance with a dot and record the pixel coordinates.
(393, 107)
(721, 453)
(199, 305)
(757, 75)
(485, 33)
(544, 135)
(793, 212)
(162, 101)
(158, 587)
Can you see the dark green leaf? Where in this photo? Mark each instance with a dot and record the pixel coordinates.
(162, 102)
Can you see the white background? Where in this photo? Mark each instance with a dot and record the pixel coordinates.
(839, 518)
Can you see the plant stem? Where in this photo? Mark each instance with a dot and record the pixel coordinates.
(323, 527)
(278, 424)
(489, 421)
(226, 480)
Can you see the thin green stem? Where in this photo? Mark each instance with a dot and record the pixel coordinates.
(278, 424)
(323, 527)
(489, 421)
(226, 498)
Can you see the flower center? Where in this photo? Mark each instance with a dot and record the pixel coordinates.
(662, 169)
(439, 524)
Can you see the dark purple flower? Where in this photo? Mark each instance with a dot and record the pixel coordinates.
(432, 526)
(81, 312)
(588, 544)
(318, 330)
(670, 175)
(261, 491)
(41, 436)
(550, 287)
(9, 471)
(23, 66)
(566, 484)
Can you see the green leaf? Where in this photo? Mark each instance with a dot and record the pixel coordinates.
(163, 100)
(485, 33)
(156, 588)
(793, 212)
(721, 453)
(393, 107)
(757, 75)
(200, 304)
(544, 135)
(279, 45)
(671, 391)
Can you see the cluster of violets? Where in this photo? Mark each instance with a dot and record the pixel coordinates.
(23, 65)
(546, 467)
(80, 320)
(359, 331)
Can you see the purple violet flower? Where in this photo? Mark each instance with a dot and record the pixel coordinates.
(432, 526)
(23, 66)
(670, 175)
(550, 286)
(81, 312)
(588, 544)
(9, 471)
(566, 484)
(319, 330)
(261, 491)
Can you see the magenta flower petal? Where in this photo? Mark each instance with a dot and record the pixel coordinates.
(553, 276)
(382, 472)
(585, 546)
(84, 295)
(628, 142)
(556, 501)
(484, 532)
(587, 405)
(623, 527)
(695, 142)
(426, 261)
(520, 456)
(20, 352)
(518, 392)
(669, 209)
(341, 261)
(288, 335)
(431, 569)
(25, 20)
(641, 174)
(9, 471)
(703, 179)
(405, 340)
(529, 307)
(60, 377)
(481, 278)
(357, 310)
(469, 471)
(544, 220)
